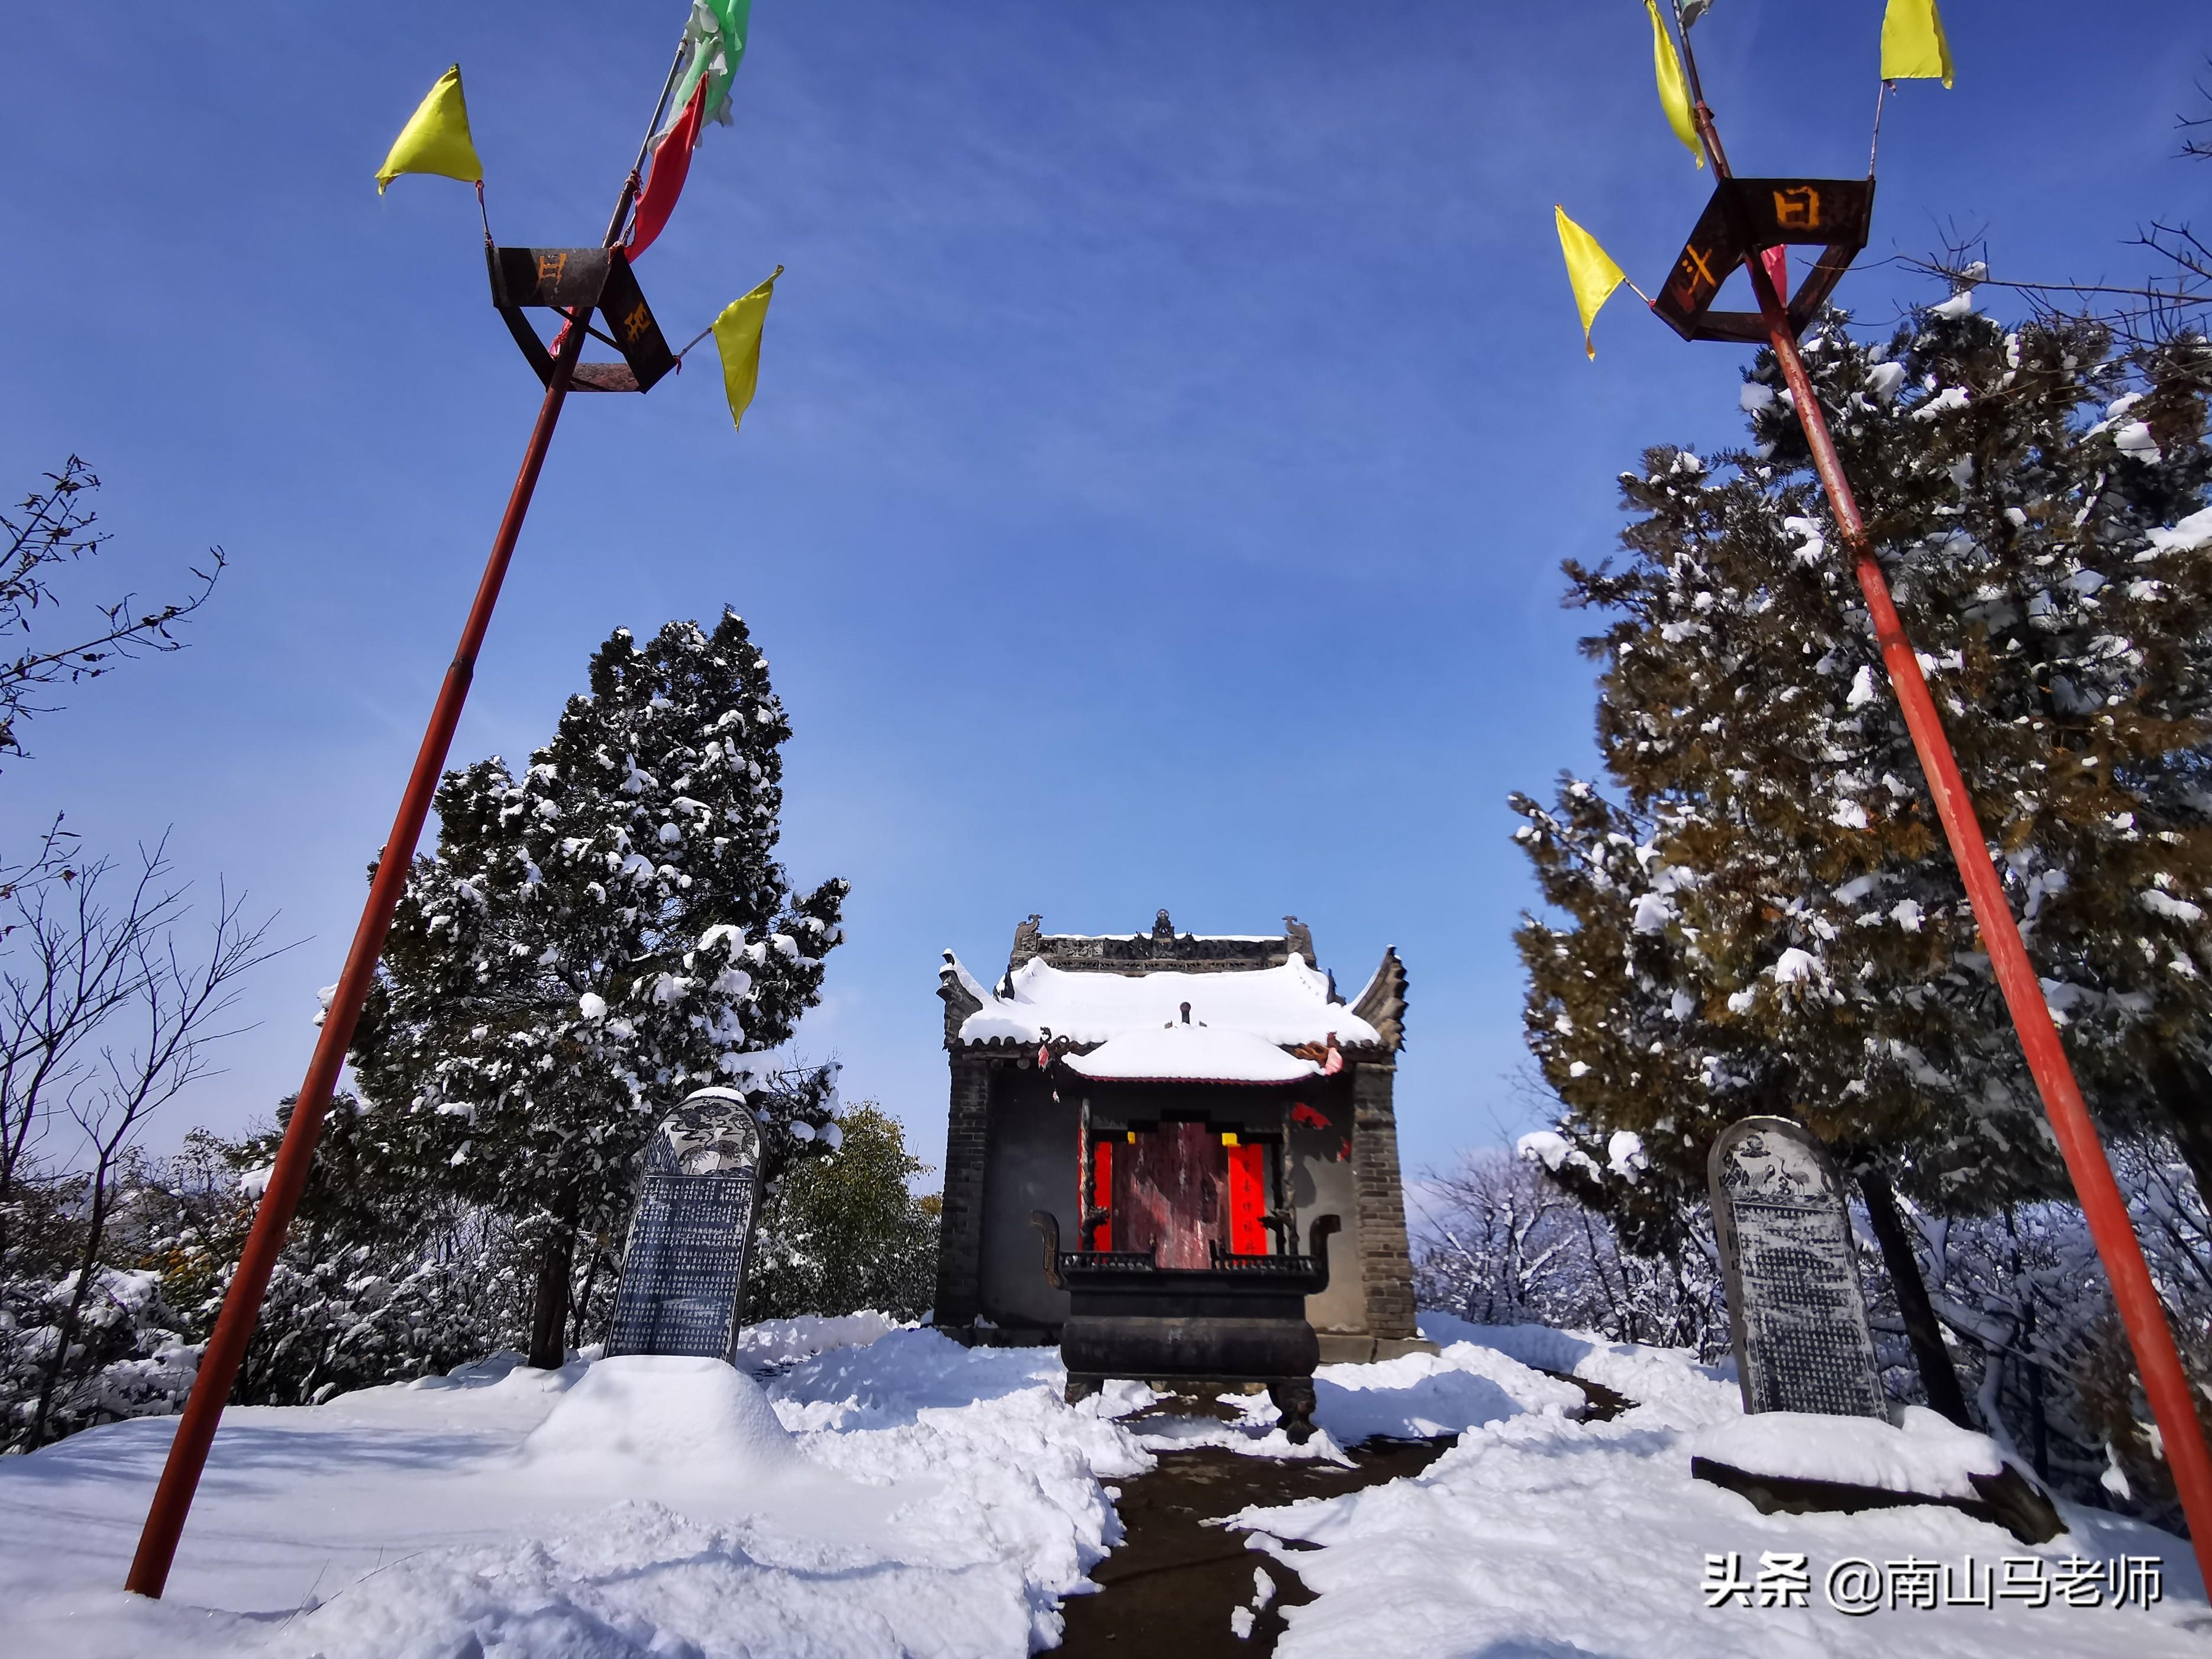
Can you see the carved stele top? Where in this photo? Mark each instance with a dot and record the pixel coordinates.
(1797, 1313)
(711, 1133)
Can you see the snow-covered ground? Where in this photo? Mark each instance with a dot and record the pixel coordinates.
(1540, 1538)
(881, 1490)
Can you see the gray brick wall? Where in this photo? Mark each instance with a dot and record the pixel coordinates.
(1386, 1266)
(959, 1260)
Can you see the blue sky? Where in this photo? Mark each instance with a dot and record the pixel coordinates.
(1169, 427)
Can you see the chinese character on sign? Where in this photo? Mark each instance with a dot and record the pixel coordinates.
(1697, 276)
(1784, 1581)
(2077, 1583)
(1963, 1589)
(1797, 206)
(2136, 1579)
(2020, 1579)
(1912, 1583)
(1725, 1580)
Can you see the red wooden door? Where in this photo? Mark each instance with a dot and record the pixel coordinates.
(1170, 1194)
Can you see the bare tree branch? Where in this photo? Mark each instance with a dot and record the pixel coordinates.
(179, 1005)
(2198, 148)
(2171, 302)
(53, 530)
(71, 957)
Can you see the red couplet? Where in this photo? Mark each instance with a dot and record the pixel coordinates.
(1102, 1193)
(1247, 1199)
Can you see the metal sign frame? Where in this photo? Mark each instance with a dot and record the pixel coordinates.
(589, 278)
(1749, 216)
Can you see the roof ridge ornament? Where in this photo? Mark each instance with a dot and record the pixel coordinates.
(1161, 946)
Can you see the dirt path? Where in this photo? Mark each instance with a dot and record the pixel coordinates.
(1604, 1404)
(1169, 1591)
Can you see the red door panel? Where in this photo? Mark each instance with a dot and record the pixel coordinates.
(1168, 1193)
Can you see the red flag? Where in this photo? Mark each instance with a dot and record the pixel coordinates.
(1777, 261)
(671, 162)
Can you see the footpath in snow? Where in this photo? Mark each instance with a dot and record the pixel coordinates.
(879, 1491)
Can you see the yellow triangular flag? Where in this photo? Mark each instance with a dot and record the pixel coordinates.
(1591, 271)
(1912, 44)
(435, 138)
(738, 338)
(1674, 90)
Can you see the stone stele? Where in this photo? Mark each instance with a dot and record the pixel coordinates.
(683, 1272)
(1796, 1311)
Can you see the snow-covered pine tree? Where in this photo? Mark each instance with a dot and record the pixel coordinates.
(1769, 920)
(594, 939)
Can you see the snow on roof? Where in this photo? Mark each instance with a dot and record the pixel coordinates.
(1284, 1006)
(1190, 1054)
(969, 982)
(1234, 938)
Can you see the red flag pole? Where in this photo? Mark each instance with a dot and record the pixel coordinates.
(2158, 1361)
(272, 1220)
(288, 1177)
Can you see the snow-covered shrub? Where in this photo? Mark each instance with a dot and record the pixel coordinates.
(382, 1279)
(129, 1358)
(843, 1233)
(352, 1321)
(374, 1285)
(135, 1349)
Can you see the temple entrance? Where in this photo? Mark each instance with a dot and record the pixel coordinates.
(1221, 1072)
(1169, 1194)
(1183, 1190)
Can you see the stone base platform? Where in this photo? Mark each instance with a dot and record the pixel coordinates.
(1351, 1348)
(2007, 1499)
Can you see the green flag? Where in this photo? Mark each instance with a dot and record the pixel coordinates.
(714, 39)
(738, 338)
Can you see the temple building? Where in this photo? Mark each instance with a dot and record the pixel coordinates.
(1203, 1098)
